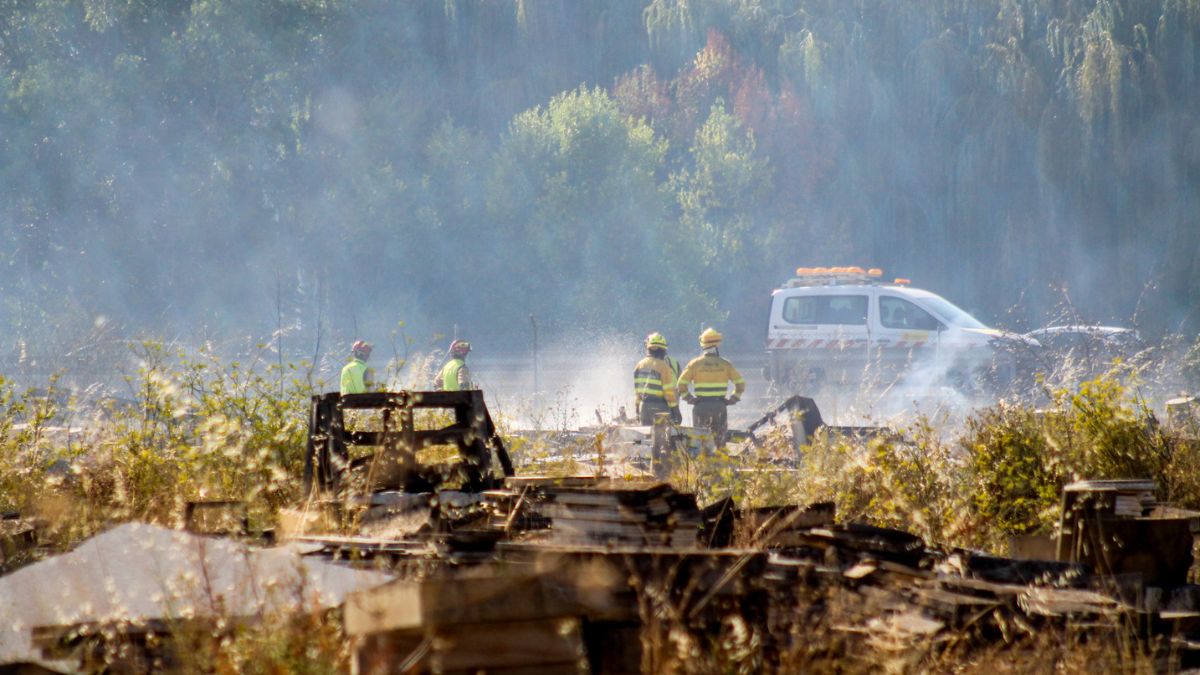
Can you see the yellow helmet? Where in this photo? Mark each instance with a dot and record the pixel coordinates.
(710, 338)
(656, 341)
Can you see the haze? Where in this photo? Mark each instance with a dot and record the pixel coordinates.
(209, 170)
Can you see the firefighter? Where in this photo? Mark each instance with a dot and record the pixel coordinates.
(356, 376)
(654, 383)
(455, 375)
(705, 383)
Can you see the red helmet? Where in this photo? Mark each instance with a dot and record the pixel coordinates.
(459, 348)
(360, 349)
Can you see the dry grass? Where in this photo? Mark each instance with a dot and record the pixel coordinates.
(198, 427)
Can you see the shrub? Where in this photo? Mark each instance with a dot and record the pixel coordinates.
(1020, 459)
(1105, 431)
(1013, 477)
(197, 427)
(24, 439)
(911, 484)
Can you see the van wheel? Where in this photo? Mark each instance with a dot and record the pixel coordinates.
(795, 379)
(808, 381)
(776, 375)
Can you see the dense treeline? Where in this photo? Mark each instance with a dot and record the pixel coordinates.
(610, 164)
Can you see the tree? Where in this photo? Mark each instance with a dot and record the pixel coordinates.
(719, 197)
(576, 192)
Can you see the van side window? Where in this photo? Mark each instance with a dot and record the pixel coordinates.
(800, 310)
(844, 310)
(904, 315)
(841, 310)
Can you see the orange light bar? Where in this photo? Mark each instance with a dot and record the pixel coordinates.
(803, 271)
(903, 282)
(856, 270)
(874, 272)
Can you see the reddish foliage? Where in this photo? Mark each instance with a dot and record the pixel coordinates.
(639, 93)
(803, 156)
(753, 102)
(712, 75)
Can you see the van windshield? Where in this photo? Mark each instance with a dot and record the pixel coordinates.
(950, 312)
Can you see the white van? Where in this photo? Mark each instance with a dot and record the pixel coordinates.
(846, 326)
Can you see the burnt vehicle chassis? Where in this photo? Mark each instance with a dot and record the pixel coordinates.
(329, 467)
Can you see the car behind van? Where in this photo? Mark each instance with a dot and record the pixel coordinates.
(846, 326)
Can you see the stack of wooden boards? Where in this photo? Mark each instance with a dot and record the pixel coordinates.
(647, 514)
(579, 575)
(466, 624)
(548, 609)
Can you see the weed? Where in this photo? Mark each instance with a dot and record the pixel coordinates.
(196, 426)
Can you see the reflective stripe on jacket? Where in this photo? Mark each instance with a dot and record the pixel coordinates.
(456, 376)
(354, 377)
(709, 376)
(652, 378)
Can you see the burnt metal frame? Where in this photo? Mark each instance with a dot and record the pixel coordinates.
(327, 459)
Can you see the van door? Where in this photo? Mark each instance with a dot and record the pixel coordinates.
(906, 336)
(838, 347)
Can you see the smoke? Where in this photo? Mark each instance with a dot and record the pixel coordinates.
(582, 380)
(321, 172)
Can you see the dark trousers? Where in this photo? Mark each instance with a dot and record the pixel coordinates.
(650, 407)
(712, 413)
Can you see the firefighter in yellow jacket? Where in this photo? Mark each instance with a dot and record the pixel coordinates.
(356, 375)
(705, 384)
(654, 382)
(455, 375)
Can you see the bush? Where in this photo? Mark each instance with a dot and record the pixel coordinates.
(910, 485)
(1020, 459)
(196, 428)
(1013, 477)
(1107, 431)
(24, 441)
(310, 643)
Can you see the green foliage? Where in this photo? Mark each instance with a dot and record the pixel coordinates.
(195, 427)
(1002, 476)
(311, 643)
(751, 479)
(1107, 433)
(1015, 482)
(578, 181)
(26, 442)
(1020, 459)
(209, 429)
(910, 485)
(742, 138)
(718, 197)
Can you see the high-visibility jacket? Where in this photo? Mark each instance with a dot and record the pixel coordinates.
(355, 377)
(456, 376)
(652, 378)
(709, 376)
